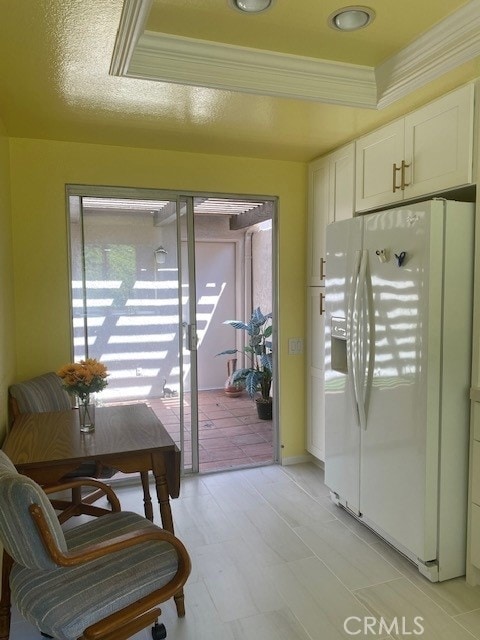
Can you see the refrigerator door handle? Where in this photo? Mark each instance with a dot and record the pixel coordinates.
(363, 322)
(369, 323)
(352, 333)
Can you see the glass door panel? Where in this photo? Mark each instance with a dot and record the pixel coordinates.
(128, 301)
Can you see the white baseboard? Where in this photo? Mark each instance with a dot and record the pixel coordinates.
(319, 463)
(307, 457)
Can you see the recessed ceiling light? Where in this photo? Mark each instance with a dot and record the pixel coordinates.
(251, 6)
(351, 18)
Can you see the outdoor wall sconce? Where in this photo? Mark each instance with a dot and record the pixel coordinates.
(160, 255)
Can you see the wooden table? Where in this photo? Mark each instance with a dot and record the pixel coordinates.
(130, 438)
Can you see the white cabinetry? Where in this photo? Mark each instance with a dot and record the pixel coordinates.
(318, 203)
(315, 372)
(331, 197)
(428, 151)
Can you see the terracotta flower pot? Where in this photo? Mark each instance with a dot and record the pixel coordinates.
(233, 388)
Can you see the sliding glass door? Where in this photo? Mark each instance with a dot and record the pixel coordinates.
(155, 277)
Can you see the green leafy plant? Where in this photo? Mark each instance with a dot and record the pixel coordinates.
(258, 375)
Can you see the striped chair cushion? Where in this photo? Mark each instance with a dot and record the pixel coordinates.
(65, 601)
(40, 394)
(6, 465)
(17, 529)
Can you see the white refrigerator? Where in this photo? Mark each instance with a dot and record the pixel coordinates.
(397, 376)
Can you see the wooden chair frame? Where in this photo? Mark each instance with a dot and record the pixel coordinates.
(129, 620)
(79, 505)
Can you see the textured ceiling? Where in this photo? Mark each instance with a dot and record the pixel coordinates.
(55, 83)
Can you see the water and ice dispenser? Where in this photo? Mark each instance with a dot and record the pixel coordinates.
(338, 332)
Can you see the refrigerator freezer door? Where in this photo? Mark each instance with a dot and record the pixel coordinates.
(400, 446)
(342, 431)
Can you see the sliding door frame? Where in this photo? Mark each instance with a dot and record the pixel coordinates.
(180, 196)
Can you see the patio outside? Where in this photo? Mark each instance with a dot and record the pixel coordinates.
(230, 434)
(128, 303)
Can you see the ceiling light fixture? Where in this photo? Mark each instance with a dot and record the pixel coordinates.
(251, 6)
(351, 18)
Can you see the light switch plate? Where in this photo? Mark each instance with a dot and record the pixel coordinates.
(295, 346)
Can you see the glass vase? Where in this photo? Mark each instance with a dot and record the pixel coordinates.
(86, 414)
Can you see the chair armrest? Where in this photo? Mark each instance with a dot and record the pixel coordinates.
(85, 482)
(101, 549)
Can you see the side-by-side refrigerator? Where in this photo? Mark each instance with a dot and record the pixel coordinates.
(397, 376)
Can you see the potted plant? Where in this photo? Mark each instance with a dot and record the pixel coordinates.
(257, 376)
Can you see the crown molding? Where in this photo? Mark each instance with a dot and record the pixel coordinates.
(181, 60)
(132, 25)
(168, 58)
(447, 45)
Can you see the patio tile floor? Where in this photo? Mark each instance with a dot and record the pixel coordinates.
(230, 432)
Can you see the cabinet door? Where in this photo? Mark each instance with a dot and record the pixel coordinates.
(316, 415)
(342, 183)
(318, 203)
(438, 144)
(315, 441)
(376, 155)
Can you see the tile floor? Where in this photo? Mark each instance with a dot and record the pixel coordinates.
(230, 433)
(274, 559)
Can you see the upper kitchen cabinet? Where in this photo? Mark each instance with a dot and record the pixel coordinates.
(331, 192)
(427, 151)
(318, 191)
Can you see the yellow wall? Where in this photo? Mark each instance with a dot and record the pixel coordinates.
(40, 170)
(7, 330)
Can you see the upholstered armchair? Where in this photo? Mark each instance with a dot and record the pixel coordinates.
(102, 580)
(43, 393)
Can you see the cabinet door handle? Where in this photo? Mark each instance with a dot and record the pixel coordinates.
(322, 308)
(395, 187)
(403, 183)
(322, 270)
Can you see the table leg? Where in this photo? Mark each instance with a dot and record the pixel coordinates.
(147, 500)
(5, 600)
(161, 485)
(180, 603)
